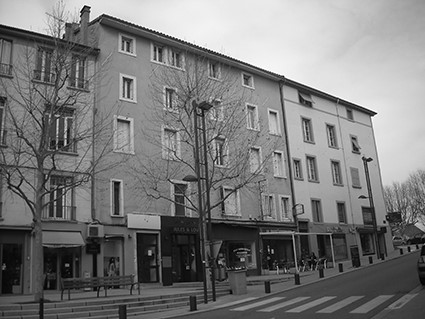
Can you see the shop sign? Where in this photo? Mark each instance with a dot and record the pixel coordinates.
(185, 230)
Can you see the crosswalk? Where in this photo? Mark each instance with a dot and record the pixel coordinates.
(324, 304)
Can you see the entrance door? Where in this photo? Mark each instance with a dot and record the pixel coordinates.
(147, 258)
(184, 261)
(11, 268)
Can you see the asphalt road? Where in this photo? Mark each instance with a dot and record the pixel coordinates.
(385, 290)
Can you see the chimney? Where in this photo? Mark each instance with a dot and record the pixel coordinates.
(69, 32)
(84, 22)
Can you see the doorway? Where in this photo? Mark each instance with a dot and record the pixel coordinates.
(11, 268)
(147, 258)
(184, 258)
(60, 263)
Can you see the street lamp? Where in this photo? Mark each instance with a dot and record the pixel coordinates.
(371, 205)
(203, 107)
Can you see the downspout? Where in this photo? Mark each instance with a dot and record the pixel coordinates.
(93, 172)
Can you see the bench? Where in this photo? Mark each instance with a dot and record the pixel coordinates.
(97, 283)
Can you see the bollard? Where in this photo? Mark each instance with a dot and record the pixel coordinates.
(41, 309)
(417, 246)
(401, 251)
(267, 286)
(192, 303)
(408, 249)
(122, 311)
(370, 260)
(341, 267)
(382, 257)
(297, 279)
(321, 273)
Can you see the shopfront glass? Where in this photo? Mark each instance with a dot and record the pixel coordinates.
(60, 263)
(11, 268)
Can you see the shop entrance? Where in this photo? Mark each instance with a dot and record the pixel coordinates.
(60, 263)
(11, 268)
(184, 258)
(147, 258)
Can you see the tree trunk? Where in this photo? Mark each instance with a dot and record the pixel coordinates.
(37, 260)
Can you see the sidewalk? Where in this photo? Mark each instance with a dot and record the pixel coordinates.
(255, 288)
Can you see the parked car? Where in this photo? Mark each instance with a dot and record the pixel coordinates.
(415, 240)
(398, 241)
(421, 266)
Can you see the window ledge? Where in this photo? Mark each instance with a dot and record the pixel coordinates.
(339, 185)
(69, 87)
(314, 181)
(6, 76)
(128, 100)
(64, 152)
(58, 220)
(117, 216)
(309, 142)
(128, 53)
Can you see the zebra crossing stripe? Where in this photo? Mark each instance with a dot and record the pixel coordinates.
(257, 304)
(402, 301)
(311, 304)
(341, 304)
(234, 303)
(368, 306)
(283, 304)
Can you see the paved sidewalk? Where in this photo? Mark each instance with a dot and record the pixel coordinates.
(255, 288)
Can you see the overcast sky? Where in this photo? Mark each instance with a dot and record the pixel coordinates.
(369, 52)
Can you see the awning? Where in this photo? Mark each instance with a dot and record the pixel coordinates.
(62, 239)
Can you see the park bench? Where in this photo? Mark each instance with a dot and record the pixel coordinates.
(97, 283)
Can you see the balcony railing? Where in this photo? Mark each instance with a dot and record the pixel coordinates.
(59, 212)
(6, 69)
(43, 76)
(79, 83)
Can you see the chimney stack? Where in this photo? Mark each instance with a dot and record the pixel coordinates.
(84, 22)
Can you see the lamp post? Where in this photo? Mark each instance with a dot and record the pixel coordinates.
(204, 211)
(366, 160)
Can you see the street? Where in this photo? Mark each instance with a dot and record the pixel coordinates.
(386, 290)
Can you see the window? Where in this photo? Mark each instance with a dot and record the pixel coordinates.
(220, 151)
(367, 216)
(307, 130)
(284, 209)
(342, 215)
(231, 203)
(5, 57)
(217, 111)
(269, 206)
(336, 173)
(78, 69)
(255, 159)
(158, 53)
(2, 117)
(214, 70)
(170, 99)
(170, 144)
(247, 80)
(127, 44)
(252, 117)
(60, 125)
(117, 198)
(176, 58)
(61, 201)
(279, 167)
(123, 135)
(274, 124)
(179, 193)
(298, 172)
(355, 177)
(330, 129)
(305, 99)
(312, 169)
(43, 66)
(128, 88)
(355, 147)
(350, 115)
(316, 210)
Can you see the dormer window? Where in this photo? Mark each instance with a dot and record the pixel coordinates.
(305, 99)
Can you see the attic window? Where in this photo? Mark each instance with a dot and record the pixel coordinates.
(305, 99)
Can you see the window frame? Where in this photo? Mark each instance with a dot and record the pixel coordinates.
(252, 123)
(187, 212)
(76, 81)
(255, 167)
(305, 99)
(214, 70)
(342, 215)
(217, 111)
(234, 196)
(112, 197)
(316, 210)
(43, 65)
(6, 68)
(133, 98)
(268, 199)
(155, 54)
(282, 210)
(336, 173)
(307, 128)
(224, 151)
(64, 126)
(250, 78)
(278, 131)
(355, 146)
(121, 38)
(282, 173)
(312, 169)
(66, 199)
(332, 137)
(167, 152)
(174, 99)
(350, 114)
(175, 58)
(298, 163)
(130, 148)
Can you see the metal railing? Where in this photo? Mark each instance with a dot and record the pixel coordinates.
(54, 211)
(6, 69)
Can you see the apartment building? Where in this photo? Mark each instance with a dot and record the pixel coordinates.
(330, 141)
(46, 102)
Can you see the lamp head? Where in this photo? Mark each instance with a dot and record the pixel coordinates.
(367, 159)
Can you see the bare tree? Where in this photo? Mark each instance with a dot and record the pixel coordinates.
(51, 128)
(232, 150)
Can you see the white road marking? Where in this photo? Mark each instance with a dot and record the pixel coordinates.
(311, 304)
(341, 304)
(368, 306)
(402, 301)
(234, 303)
(257, 304)
(283, 304)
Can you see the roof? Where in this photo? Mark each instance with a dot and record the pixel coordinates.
(158, 36)
(411, 230)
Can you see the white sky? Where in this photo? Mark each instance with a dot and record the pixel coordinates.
(369, 52)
